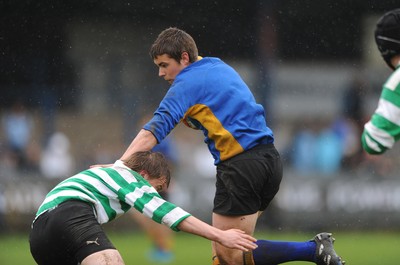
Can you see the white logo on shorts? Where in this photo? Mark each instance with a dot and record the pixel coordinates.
(93, 242)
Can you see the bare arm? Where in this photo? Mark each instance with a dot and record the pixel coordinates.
(144, 141)
(232, 238)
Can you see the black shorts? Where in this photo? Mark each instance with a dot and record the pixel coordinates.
(247, 183)
(67, 234)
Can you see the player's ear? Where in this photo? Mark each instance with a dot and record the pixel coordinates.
(185, 59)
(144, 174)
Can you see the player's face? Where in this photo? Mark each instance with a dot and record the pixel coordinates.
(168, 68)
(160, 184)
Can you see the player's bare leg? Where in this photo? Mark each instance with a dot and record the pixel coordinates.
(104, 257)
(227, 256)
(318, 250)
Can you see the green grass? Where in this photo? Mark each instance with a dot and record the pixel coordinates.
(375, 248)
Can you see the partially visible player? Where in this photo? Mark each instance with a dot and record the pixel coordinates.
(67, 228)
(383, 129)
(162, 238)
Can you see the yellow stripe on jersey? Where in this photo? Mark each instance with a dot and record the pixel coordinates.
(224, 141)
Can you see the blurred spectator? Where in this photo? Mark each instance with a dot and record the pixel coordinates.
(56, 160)
(303, 145)
(353, 100)
(348, 133)
(160, 235)
(18, 127)
(329, 151)
(325, 147)
(349, 125)
(316, 149)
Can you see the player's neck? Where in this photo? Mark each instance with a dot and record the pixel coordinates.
(396, 61)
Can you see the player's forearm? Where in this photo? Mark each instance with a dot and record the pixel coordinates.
(144, 141)
(195, 226)
(232, 238)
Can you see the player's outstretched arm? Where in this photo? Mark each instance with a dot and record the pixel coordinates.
(232, 238)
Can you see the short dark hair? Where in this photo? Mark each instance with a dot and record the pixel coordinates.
(154, 163)
(173, 42)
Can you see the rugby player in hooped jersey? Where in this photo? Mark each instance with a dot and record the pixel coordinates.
(383, 129)
(209, 95)
(67, 228)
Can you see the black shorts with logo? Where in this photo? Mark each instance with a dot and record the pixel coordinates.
(247, 182)
(67, 234)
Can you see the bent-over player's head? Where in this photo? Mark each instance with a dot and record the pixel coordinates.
(173, 42)
(152, 166)
(387, 36)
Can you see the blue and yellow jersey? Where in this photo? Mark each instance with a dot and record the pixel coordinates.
(210, 95)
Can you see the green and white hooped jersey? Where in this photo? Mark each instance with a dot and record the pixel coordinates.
(113, 191)
(383, 130)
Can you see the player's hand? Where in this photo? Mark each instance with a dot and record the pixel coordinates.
(235, 238)
(101, 165)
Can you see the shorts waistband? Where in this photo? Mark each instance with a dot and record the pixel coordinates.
(55, 207)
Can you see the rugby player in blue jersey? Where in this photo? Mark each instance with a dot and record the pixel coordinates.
(209, 95)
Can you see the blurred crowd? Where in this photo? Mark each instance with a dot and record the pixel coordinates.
(321, 147)
(25, 152)
(315, 146)
(96, 63)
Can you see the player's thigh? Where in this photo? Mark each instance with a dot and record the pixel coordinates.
(246, 223)
(104, 257)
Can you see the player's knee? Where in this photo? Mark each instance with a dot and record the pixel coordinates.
(228, 258)
(215, 260)
(245, 258)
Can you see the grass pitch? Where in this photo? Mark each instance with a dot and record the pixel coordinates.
(370, 248)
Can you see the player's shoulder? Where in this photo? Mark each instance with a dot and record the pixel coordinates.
(206, 61)
(393, 82)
